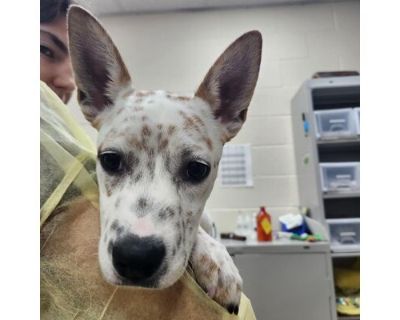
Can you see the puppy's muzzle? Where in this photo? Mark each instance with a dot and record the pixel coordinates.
(137, 259)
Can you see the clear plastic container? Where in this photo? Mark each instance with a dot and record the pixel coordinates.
(344, 234)
(240, 225)
(340, 177)
(335, 124)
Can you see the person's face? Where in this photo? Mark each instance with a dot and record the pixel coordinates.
(55, 62)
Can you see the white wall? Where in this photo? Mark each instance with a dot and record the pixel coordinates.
(173, 51)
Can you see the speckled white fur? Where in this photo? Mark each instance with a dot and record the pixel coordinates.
(160, 189)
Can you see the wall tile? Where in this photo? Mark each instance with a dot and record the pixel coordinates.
(265, 130)
(272, 191)
(273, 161)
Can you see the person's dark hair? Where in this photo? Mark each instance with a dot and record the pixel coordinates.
(50, 10)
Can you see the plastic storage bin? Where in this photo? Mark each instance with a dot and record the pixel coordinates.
(335, 124)
(340, 177)
(344, 234)
(357, 117)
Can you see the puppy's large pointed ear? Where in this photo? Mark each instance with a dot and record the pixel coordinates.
(100, 73)
(229, 85)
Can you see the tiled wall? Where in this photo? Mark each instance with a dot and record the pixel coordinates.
(173, 51)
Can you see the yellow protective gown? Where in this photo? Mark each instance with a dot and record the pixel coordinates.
(71, 283)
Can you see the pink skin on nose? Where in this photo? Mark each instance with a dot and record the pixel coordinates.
(142, 227)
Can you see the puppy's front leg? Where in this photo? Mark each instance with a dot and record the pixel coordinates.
(215, 271)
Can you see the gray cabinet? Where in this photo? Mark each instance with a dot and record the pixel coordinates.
(286, 280)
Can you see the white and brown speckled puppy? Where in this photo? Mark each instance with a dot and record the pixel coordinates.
(158, 159)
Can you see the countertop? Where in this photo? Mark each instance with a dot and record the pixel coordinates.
(275, 246)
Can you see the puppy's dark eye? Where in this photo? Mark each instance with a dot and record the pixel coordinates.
(197, 171)
(111, 161)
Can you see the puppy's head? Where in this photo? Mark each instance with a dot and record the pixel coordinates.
(158, 153)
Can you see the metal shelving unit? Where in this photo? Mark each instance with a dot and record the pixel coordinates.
(316, 95)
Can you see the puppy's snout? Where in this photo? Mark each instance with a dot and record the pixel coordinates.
(138, 258)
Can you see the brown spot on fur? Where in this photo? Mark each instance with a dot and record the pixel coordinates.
(108, 190)
(151, 153)
(146, 131)
(159, 137)
(163, 144)
(209, 143)
(179, 241)
(221, 295)
(171, 130)
(198, 120)
(193, 122)
(133, 141)
(180, 98)
(138, 177)
(211, 266)
(190, 124)
(159, 126)
(111, 185)
(203, 259)
(151, 167)
(168, 162)
(145, 118)
(144, 93)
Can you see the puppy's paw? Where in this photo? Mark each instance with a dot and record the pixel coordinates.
(215, 272)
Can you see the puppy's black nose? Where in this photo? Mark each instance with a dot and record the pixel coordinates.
(137, 258)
